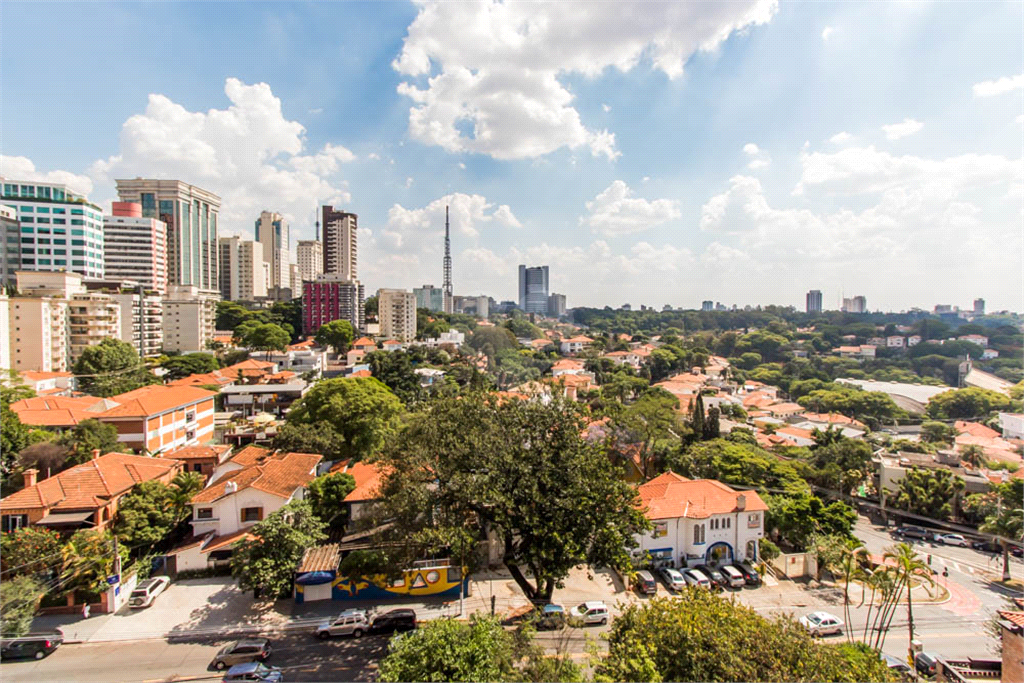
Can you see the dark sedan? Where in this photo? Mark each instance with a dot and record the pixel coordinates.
(395, 620)
(31, 645)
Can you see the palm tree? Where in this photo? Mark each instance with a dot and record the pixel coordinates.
(882, 581)
(848, 568)
(183, 487)
(1005, 523)
(973, 455)
(908, 567)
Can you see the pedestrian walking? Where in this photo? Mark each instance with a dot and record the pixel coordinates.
(85, 611)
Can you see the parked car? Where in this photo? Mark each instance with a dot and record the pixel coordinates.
(31, 645)
(822, 624)
(146, 592)
(899, 666)
(591, 612)
(351, 622)
(551, 618)
(750, 575)
(672, 578)
(716, 577)
(914, 532)
(952, 539)
(253, 671)
(1016, 551)
(695, 577)
(394, 620)
(645, 582)
(986, 546)
(733, 576)
(924, 662)
(242, 652)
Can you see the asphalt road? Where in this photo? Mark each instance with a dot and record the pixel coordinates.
(302, 658)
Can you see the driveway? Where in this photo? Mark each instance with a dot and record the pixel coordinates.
(186, 608)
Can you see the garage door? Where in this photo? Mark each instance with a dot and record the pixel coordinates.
(320, 591)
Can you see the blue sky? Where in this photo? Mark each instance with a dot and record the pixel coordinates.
(656, 154)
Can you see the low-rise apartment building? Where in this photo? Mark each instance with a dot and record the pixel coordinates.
(189, 317)
(158, 418)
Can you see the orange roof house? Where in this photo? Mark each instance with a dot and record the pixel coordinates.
(201, 459)
(157, 418)
(369, 477)
(85, 496)
(975, 429)
(60, 411)
(672, 495)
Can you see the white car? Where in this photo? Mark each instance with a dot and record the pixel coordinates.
(733, 576)
(591, 612)
(954, 539)
(146, 592)
(695, 577)
(352, 622)
(673, 579)
(822, 623)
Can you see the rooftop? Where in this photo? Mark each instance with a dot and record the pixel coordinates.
(670, 495)
(280, 475)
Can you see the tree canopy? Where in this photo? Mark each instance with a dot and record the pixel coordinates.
(928, 492)
(337, 334)
(697, 636)
(969, 403)
(361, 410)
(327, 497)
(189, 364)
(522, 468)
(266, 562)
(111, 367)
(264, 337)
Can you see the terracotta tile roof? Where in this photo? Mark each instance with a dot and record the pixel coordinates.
(796, 431)
(759, 400)
(280, 475)
(364, 341)
(284, 374)
(540, 343)
(248, 364)
(361, 373)
(215, 451)
(216, 377)
(567, 364)
(581, 339)
(830, 418)
(60, 411)
(156, 399)
(223, 338)
(90, 484)
(226, 540)
(37, 375)
(1015, 618)
(324, 558)
(573, 380)
(618, 354)
(251, 455)
(367, 476)
(671, 495)
(975, 429)
(785, 408)
(302, 345)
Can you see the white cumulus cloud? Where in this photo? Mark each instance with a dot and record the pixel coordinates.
(840, 137)
(895, 131)
(249, 153)
(759, 158)
(493, 86)
(615, 211)
(22, 168)
(826, 32)
(998, 86)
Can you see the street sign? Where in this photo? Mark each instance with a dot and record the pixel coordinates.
(114, 580)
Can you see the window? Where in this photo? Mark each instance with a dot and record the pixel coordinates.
(698, 534)
(197, 467)
(189, 417)
(13, 522)
(660, 529)
(204, 513)
(190, 434)
(753, 520)
(252, 514)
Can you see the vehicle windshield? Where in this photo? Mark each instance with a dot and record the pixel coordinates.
(814, 619)
(138, 594)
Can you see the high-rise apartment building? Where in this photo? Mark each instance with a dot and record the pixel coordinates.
(272, 233)
(310, 255)
(190, 214)
(59, 230)
(707, 306)
(340, 243)
(10, 245)
(429, 296)
(328, 298)
(979, 307)
(858, 304)
(396, 311)
(141, 313)
(242, 272)
(294, 280)
(5, 332)
(533, 289)
(814, 301)
(556, 305)
(55, 318)
(189, 318)
(135, 247)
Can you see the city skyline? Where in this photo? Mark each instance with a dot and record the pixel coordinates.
(864, 176)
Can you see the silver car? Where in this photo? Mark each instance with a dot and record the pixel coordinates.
(695, 577)
(352, 622)
(241, 652)
(673, 579)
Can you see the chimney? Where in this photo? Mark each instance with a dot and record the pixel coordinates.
(741, 502)
(95, 453)
(30, 477)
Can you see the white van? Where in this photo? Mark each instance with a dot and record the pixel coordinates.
(733, 576)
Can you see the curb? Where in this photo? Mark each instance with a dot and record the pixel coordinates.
(205, 634)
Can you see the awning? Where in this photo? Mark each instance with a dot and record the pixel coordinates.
(66, 518)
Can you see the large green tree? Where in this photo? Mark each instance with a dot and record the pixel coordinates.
(491, 340)
(319, 437)
(480, 650)
(697, 636)
(337, 334)
(30, 550)
(1006, 522)
(18, 602)
(14, 436)
(652, 418)
(266, 337)
(736, 463)
(362, 411)
(797, 518)
(395, 370)
(523, 469)
(327, 497)
(928, 492)
(189, 364)
(266, 563)
(111, 367)
(89, 436)
(971, 403)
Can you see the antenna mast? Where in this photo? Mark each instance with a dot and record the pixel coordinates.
(447, 286)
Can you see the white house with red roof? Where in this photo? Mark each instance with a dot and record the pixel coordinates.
(575, 344)
(699, 521)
